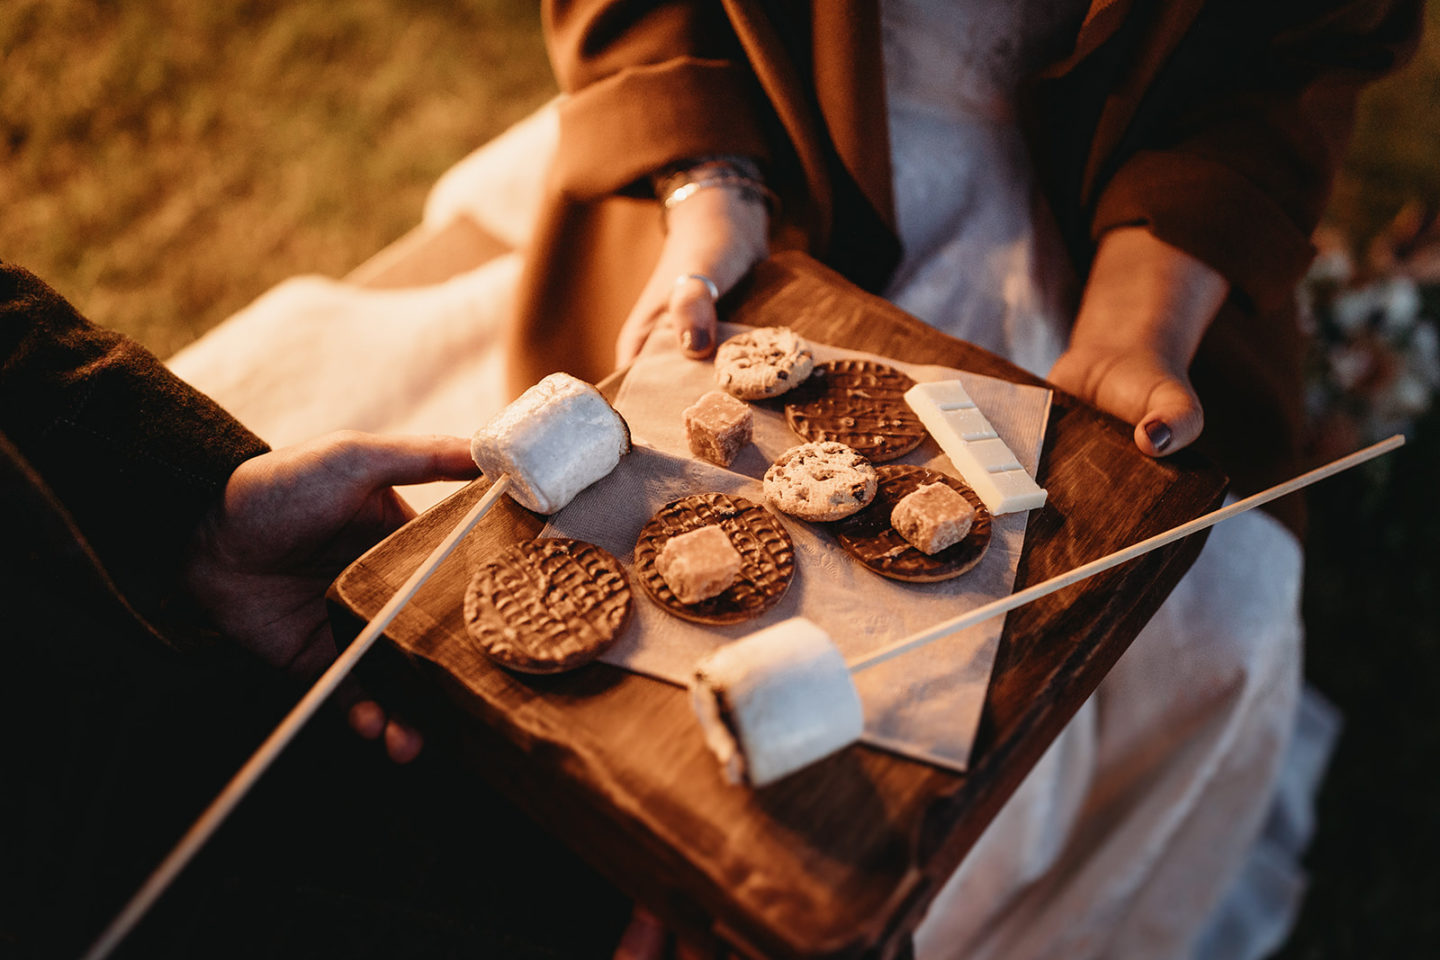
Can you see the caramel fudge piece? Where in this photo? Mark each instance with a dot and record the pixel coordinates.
(933, 517)
(698, 565)
(717, 426)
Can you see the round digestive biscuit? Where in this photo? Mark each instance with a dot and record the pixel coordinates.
(767, 557)
(820, 481)
(765, 362)
(547, 606)
(869, 538)
(859, 403)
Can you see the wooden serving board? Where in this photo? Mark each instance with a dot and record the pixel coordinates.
(841, 859)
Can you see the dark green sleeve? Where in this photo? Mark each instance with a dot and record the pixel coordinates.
(133, 454)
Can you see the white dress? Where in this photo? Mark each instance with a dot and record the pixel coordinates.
(1127, 836)
(1145, 813)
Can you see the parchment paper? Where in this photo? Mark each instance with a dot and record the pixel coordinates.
(925, 704)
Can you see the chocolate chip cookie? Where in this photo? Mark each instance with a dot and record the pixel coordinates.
(763, 363)
(820, 481)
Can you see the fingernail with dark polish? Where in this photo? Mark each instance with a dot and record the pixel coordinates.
(697, 340)
(1159, 435)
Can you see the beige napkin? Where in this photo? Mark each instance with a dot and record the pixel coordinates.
(925, 704)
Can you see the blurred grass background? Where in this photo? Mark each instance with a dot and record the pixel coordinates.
(164, 162)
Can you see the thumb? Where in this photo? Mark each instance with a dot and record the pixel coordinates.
(374, 460)
(692, 311)
(1173, 419)
(716, 236)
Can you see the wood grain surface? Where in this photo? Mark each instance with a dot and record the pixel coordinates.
(841, 859)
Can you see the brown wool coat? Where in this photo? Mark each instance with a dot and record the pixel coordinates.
(1217, 126)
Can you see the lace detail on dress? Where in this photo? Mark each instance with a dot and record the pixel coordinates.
(982, 259)
(968, 57)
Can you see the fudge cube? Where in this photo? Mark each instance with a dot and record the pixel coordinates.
(933, 517)
(698, 565)
(717, 426)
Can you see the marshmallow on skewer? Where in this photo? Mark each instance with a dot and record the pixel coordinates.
(775, 701)
(782, 698)
(553, 441)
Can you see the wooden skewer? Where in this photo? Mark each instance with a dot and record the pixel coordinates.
(280, 737)
(255, 767)
(1006, 604)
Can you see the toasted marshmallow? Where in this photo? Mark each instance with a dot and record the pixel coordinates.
(776, 701)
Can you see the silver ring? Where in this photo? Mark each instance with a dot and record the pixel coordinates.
(710, 286)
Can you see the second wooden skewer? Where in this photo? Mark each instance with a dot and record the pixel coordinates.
(1019, 599)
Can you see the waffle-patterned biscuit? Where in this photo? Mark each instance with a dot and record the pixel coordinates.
(868, 536)
(820, 481)
(766, 553)
(765, 362)
(547, 606)
(859, 403)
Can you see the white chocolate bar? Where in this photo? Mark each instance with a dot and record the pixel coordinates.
(775, 701)
(968, 439)
(553, 441)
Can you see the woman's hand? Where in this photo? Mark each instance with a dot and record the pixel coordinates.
(1145, 309)
(718, 232)
(287, 524)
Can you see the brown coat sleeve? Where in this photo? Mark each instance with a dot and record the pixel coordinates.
(1232, 155)
(648, 83)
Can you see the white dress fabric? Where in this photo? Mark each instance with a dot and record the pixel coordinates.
(1128, 835)
(1136, 835)
(981, 262)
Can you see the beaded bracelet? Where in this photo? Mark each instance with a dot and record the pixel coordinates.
(676, 185)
